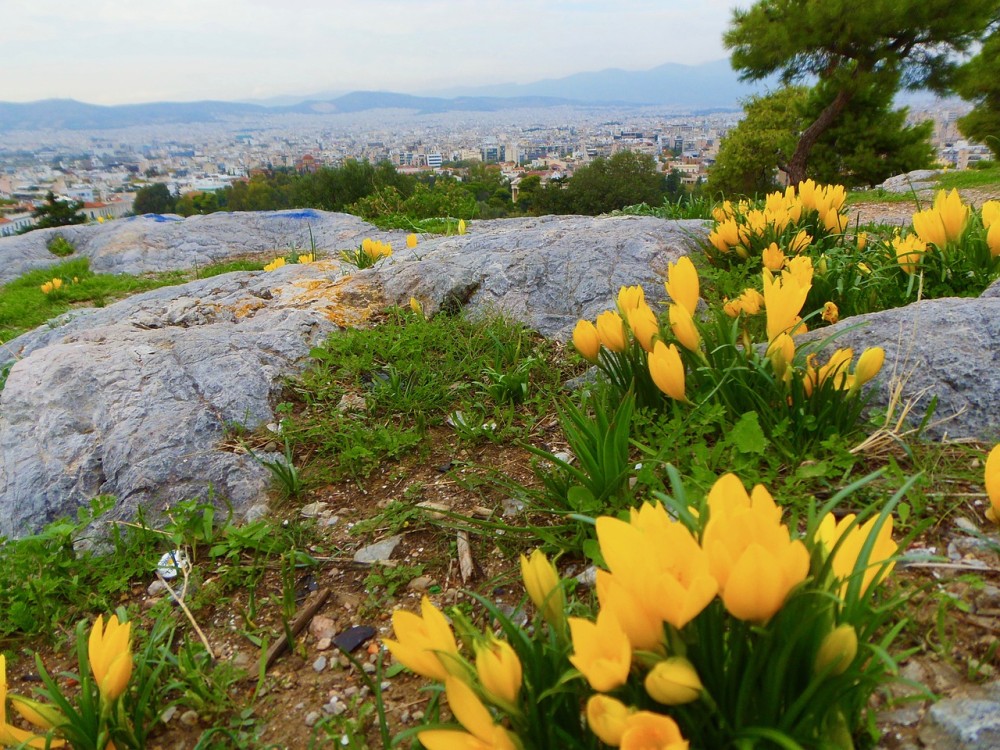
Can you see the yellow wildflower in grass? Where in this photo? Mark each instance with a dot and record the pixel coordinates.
(673, 682)
(784, 297)
(837, 651)
(644, 325)
(990, 213)
(11, 736)
(929, 227)
(275, 264)
(799, 242)
(908, 251)
(658, 573)
(630, 297)
(499, 671)
(606, 717)
(834, 221)
(845, 559)
(682, 284)
(830, 312)
(667, 370)
(601, 650)
(993, 239)
(57, 283)
(751, 553)
(861, 240)
(46, 287)
(426, 644)
(411, 240)
(541, 581)
(110, 653)
(684, 328)
(992, 482)
(586, 340)
(723, 211)
(416, 306)
(481, 733)
(42, 715)
(611, 330)
(773, 257)
(306, 258)
(646, 730)
(461, 226)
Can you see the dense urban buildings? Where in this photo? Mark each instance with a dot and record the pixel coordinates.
(103, 169)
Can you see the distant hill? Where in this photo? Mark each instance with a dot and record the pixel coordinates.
(707, 86)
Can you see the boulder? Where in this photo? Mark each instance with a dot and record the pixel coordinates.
(133, 400)
(948, 348)
(155, 243)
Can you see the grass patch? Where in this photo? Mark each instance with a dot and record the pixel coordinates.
(24, 306)
(217, 269)
(970, 178)
(487, 378)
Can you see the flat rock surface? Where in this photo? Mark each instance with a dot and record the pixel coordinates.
(132, 400)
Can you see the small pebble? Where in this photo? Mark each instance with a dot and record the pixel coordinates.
(385, 685)
(320, 664)
(312, 717)
(189, 718)
(324, 644)
(369, 668)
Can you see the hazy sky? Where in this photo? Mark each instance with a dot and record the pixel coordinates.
(124, 51)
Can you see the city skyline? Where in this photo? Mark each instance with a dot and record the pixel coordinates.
(257, 49)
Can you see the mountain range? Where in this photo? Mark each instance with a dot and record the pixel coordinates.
(707, 86)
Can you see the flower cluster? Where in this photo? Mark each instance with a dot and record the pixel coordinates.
(368, 253)
(50, 286)
(695, 606)
(785, 223)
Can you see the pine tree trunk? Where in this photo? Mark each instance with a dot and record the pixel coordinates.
(796, 167)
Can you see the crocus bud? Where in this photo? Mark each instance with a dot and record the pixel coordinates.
(837, 651)
(673, 682)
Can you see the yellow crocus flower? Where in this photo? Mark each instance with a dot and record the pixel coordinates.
(541, 581)
(643, 324)
(751, 553)
(869, 365)
(647, 730)
(991, 213)
(773, 258)
(46, 287)
(930, 228)
(682, 283)
(426, 644)
(954, 214)
(611, 330)
(684, 328)
(992, 481)
(601, 651)
(993, 239)
(784, 297)
(909, 250)
(411, 240)
(800, 242)
(630, 297)
(461, 226)
(499, 671)
(586, 340)
(673, 682)
(781, 352)
(831, 314)
(606, 717)
(11, 736)
(481, 733)
(110, 654)
(667, 370)
(845, 559)
(837, 651)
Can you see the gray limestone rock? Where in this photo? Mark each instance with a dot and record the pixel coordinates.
(949, 348)
(154, 242)
(962, 724)
(919, 179)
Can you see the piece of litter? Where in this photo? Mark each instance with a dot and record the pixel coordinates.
(172, 563)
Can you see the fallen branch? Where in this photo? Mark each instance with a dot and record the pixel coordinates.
(309, 611)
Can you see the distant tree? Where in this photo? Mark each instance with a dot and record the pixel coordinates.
(527, 192)
(153, 199)
(850, 45)
(749, 155)
(197, 203)
(56, 212)
(979, 82)
(605, 185)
